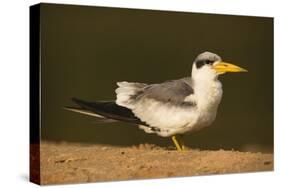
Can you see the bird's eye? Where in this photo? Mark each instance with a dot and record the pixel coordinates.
(200, 63)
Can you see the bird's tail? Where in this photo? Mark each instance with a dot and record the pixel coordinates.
(107, 111)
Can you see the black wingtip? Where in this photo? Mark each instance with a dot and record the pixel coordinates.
(77, 101)
(81, 103)
(105, 109)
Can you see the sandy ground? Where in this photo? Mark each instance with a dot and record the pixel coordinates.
(74, 163)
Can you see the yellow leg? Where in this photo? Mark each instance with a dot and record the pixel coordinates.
(181, 142)
(178, 146)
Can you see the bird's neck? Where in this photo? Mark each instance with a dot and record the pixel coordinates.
(208, 92)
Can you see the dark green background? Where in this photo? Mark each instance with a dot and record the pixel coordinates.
(86, 50)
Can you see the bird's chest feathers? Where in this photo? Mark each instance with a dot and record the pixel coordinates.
(208, 96)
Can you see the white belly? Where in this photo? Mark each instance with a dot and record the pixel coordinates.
(168, 120)
(161, 115)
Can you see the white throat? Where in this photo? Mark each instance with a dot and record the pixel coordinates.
(207, 88)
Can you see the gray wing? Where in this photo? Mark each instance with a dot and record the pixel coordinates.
(162, 107)
(174, 91)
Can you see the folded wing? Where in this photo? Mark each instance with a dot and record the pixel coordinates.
(158, 105)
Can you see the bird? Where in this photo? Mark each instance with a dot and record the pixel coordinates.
(168, 109)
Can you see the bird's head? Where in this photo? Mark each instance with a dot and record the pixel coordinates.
(210, 65)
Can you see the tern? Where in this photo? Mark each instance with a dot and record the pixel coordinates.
(168, 109)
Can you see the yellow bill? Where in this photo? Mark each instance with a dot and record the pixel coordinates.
(223, 67)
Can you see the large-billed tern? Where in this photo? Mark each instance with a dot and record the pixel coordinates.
(171, 108)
